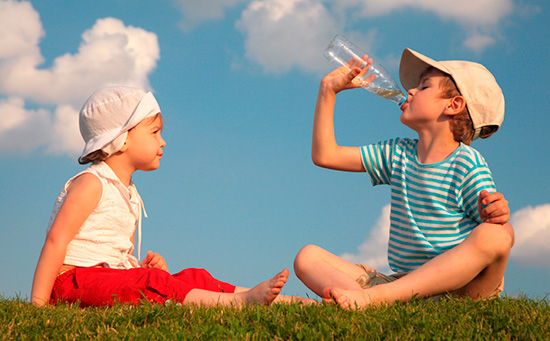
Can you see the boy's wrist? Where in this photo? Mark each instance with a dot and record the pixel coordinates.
(326, 89)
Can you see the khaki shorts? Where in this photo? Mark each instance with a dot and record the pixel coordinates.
(372, 278)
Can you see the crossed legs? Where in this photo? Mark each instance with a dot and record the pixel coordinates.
(473, 268)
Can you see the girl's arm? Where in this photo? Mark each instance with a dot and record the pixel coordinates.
(154, 261)
(82, 198)
(325, 152)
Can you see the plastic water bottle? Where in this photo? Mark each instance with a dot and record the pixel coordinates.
(343, 52)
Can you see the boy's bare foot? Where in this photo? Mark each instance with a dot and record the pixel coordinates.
(267, 291)
(347, 299)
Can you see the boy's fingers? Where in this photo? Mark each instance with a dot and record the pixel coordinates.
(485, 197)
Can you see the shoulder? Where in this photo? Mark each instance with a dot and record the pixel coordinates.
(470, 157)
(91, 176)
(402, 147)
(86, 184)
(406, 143)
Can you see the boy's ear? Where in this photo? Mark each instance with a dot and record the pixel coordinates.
(455, 106)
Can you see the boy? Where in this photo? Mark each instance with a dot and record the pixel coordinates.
(448, 234)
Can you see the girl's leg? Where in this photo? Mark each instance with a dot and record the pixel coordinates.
(319, 269)
(263, 293)
(474, 268)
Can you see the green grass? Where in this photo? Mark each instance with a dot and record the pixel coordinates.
(450, 319)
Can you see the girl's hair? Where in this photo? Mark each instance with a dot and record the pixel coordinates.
(99, 155)
(461, 124)
(94, 157)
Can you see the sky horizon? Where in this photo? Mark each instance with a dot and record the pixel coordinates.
(236, 80)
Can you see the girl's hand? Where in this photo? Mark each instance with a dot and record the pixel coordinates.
(342, 79)
(154, 261)
(493, 208)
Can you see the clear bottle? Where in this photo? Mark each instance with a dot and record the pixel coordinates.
(343, 52)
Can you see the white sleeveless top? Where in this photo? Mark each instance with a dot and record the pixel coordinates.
(105, 237)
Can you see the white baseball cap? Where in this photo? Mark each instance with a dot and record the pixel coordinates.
(484, 98)
(109, 113)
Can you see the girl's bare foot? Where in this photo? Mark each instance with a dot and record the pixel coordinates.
(267, 291)
(347, 299)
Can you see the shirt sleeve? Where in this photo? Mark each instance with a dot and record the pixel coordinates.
(377, 161)
(478, 178)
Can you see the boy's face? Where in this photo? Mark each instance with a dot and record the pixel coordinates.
(425, 105)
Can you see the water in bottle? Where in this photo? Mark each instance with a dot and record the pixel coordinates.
(343, 52)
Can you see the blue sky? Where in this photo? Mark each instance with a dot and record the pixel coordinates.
(237, 81)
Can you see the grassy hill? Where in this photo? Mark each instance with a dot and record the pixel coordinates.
(504, 318)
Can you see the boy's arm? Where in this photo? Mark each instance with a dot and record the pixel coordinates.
(325, 152)
(493, 208)
(82, 198)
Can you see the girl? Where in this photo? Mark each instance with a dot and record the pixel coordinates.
(88, 253)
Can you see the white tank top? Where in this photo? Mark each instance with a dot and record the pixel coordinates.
(105, 237)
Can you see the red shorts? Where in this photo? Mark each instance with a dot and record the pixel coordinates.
(104, 286)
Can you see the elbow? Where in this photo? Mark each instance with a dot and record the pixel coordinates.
(319, 159)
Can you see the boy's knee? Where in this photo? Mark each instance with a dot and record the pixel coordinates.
(304, 256)
(494, 238)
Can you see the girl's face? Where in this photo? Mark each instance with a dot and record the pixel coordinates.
(145, 143)
(425, 103)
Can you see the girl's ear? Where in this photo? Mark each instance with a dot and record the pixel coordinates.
(455, 106)
(125, 145)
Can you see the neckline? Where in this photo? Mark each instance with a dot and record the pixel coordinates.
(435, 164)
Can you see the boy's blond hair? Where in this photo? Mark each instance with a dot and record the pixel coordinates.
(461, 124)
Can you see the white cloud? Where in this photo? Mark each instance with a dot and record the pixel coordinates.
(374, 249)
(478, 42)
(110, 53)
(467, 12)
(283, 34)
(532, 231)
(20, 29)
(479, 20)
(23, 130)
(64, 139)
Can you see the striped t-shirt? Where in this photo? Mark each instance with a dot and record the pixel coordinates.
(433, 206)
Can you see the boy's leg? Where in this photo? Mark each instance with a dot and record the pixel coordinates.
(319, 269)
(474, 268)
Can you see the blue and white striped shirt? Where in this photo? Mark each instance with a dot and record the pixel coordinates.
(433, 206)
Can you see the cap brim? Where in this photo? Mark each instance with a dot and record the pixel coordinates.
(412, 65)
